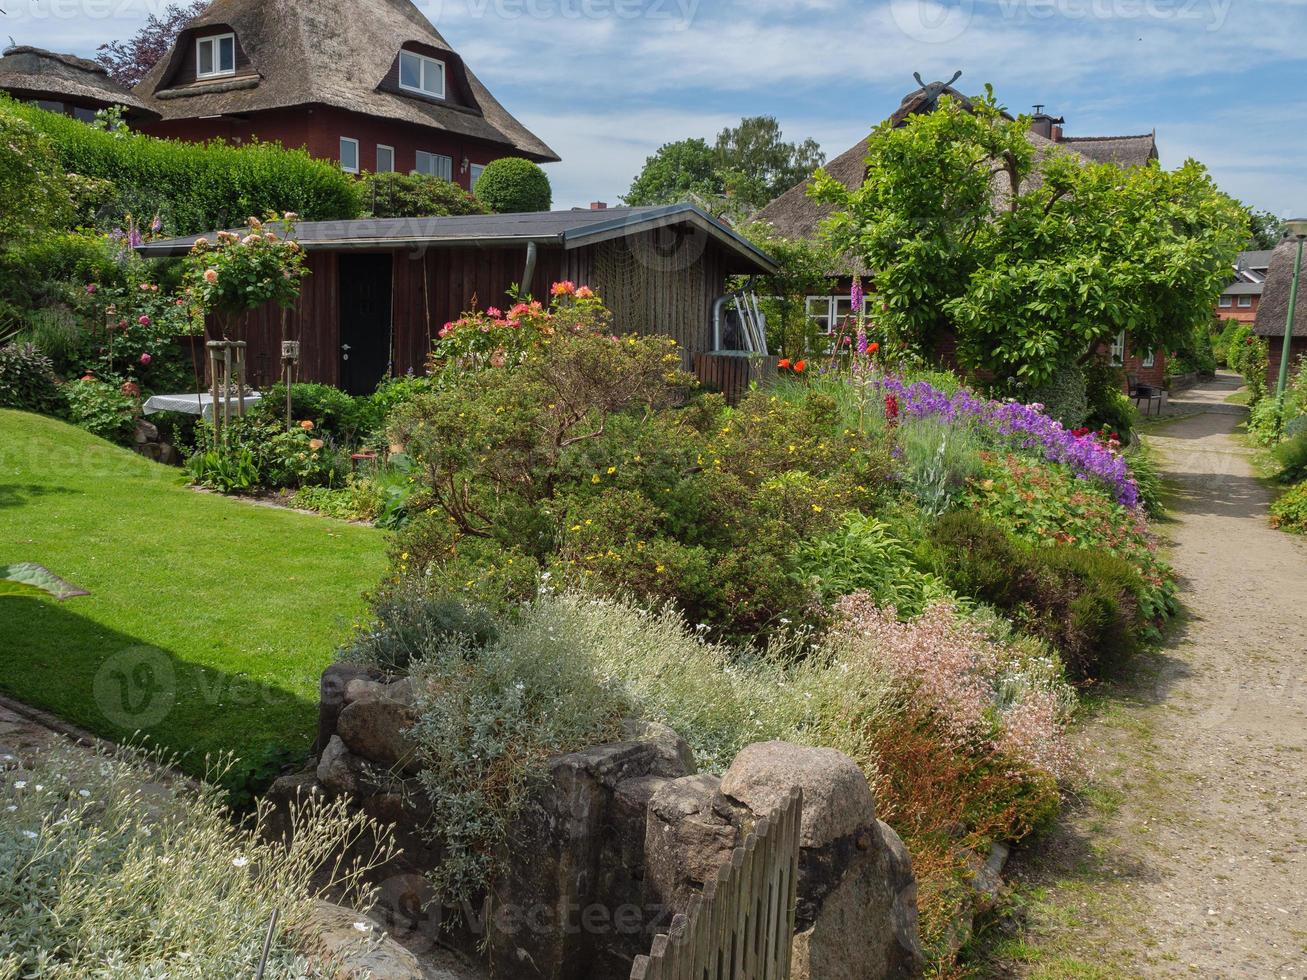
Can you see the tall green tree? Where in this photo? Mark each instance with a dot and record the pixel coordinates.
(1267, 229)
(1030, 275)
(745, 168)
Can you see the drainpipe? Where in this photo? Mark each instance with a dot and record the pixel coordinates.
(529, 272)
(718, 306)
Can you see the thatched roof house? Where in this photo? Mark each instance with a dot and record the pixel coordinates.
(370, 83)
(1273, 310)
(65, 84)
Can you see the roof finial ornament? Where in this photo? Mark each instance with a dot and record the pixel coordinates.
(934, 90)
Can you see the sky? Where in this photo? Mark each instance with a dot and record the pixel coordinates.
(606, 82)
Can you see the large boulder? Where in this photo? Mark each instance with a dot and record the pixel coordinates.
(856, 916)
(375, 724)
(687, 839)
(331, 695)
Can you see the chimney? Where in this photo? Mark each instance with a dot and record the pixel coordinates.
(1049, 127)
(598, 205)
(1057, 134)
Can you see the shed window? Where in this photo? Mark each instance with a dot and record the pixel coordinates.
(435, 165)
(1245, 302)
(385, 159)
(215, 56)
(349, 155)
(1226, 302)
(1117, 350)
(418, 73)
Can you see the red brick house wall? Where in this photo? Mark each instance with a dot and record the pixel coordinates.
(1297, 349)
(1244, 314)
(318, 130)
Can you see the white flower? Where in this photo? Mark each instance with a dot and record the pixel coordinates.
(240, 862)
(84, 793)
(39, 787)
(11, 808)
(30, 834)
(20, 784)
(363, 926)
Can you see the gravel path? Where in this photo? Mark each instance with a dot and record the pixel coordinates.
(1188, 856)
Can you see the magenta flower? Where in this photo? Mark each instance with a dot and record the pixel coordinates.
(90, 288)
(144, 320)
(146, 358)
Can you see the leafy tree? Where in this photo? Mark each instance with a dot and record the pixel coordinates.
(131, 60)
(1267, 229)
(1030, 275)
(805, 268)
(512, 185)
(748, 166)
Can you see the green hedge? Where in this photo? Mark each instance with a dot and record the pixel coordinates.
(197, 187)
(512, 185)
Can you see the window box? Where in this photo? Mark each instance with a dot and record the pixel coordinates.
(215, 56)
(420, 74)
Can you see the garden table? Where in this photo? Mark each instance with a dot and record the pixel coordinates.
(197, 404)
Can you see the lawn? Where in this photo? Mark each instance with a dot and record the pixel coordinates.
(209, 619)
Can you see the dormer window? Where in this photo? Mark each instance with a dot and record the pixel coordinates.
(418, 73)
(215, 56)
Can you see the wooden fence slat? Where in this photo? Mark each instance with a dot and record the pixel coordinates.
(741, 927)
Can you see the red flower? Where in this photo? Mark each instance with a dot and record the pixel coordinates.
(891, 407)
(783, 364)
(873, 347)
(799, 366)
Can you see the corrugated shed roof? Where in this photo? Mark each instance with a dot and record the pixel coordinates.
(567, 229)
(326, 52)
(34, 73)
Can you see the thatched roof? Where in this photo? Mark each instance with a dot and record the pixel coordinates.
(324, 52)
(1124, 151)
(1274, 307)
(33, 73)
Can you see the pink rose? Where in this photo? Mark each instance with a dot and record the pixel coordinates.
(90, 289)
(123, 323)
(143, 320)
(210, 275)
(494, 312)
(584, 292)
(146, 358)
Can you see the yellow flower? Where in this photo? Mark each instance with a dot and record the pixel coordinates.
(595, 478)
(576, 527)
(612, 470)
(659, 569)
(816, 508)
(404, 556)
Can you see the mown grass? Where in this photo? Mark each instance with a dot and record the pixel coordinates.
(209, 619)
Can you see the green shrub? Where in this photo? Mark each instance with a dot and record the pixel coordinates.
(938, 457)
(332, 411)
(116, 867)
(396, 195)
(864, 555)
(1266, 421)
(1250, 357)
(412, 627)
(27, 380)
(33, 194)
(101, 408)
(1109, 406)
(1144, 471)
(1292, 457)
(1224, 345)
(1289, 512)
(512, 184)
(253, 454)
(1065, 397)
(196, 187)
(1083, 603)
(394, 392)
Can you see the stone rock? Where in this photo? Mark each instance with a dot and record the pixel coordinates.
(145, 432)
(340, 772)
(349, 944)
(375, 728)
(286, 792)
(331, 695)
(362, 689)
(675, 755)
(168, 454)
(837, 801)
(687, 839)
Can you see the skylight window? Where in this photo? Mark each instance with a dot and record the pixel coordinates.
(418, 73)
(215, 56)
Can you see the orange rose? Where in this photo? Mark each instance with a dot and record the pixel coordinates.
(306, 425)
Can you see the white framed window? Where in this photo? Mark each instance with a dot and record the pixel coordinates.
(435, 165)
(1150, 360)
(474, 172)
(385, 159)
(349, 155)
(1226, 302)
(1117, 350)
(418, 73)
(1245, 302)
(215, 56)
(830, 314)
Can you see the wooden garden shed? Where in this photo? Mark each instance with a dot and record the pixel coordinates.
(379, 290)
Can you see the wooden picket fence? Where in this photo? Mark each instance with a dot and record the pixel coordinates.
(742, 926)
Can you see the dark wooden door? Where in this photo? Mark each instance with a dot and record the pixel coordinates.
(365, 320)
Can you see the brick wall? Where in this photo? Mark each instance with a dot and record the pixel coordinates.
(1244, 314)
(1297, 349)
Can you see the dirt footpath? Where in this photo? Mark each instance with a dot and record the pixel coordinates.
(1187, 856)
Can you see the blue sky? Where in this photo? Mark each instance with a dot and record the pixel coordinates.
(605, 82)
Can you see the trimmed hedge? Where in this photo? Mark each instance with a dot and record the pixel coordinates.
(395, 195)
(512, 185)
(197, 187)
